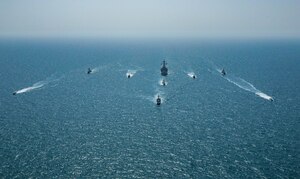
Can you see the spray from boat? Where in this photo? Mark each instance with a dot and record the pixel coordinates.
(130, 73)
(191, 75)
(245, 85)
(37, 85)
(30, 88)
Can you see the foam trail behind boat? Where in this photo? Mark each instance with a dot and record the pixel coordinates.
(33, 87)
(191, 74)
(97, 69)
(38, 85)
(248, 87)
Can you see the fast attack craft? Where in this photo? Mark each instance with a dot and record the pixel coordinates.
(223, 72)
(89, 71)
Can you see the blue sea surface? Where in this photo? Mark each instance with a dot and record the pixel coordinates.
(64, 123)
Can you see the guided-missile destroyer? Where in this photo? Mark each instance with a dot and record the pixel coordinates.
(164, 69)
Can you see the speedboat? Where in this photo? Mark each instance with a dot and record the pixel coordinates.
(223, 72)
(89, 71)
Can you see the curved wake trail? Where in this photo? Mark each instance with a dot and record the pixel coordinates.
(37, 85)
(248, 87)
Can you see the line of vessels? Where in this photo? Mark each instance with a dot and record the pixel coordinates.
(163, 72)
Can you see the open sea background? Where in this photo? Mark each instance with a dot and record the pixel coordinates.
(67, 124)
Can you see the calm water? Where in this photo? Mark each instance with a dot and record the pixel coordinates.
(64, 123)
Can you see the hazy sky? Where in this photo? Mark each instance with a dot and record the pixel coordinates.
(151, 18)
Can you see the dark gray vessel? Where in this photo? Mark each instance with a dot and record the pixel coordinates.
(164, 69)
(158, 100)
(223, 72)
(89, 71)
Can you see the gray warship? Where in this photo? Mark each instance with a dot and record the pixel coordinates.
(164, 69)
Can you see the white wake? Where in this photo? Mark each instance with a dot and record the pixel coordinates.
(97, 69)
(191, 74)
(33, 87)
(37, 85)
(243, 84)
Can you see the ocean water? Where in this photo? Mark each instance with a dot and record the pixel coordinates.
(64, 123)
